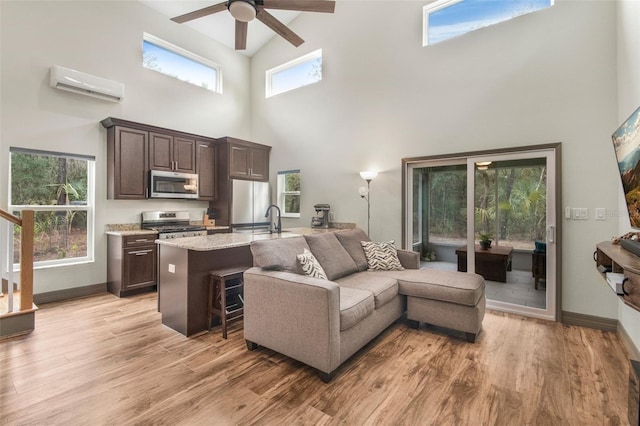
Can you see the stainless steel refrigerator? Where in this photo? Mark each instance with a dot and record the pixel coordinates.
(249, 202)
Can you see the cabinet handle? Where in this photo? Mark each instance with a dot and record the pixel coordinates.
(142, 240)
(141, 252)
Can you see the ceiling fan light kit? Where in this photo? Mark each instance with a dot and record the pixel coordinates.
(244, 11)
(241, 10)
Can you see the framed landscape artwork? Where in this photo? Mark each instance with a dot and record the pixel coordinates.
(626, 141)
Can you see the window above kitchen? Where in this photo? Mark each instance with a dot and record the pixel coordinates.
(174, 61)
(445, 19)
(294, 74)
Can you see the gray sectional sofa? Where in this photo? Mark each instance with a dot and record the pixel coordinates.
(323, 322)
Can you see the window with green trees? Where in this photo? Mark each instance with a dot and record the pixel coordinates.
(289, 193)
(59, 188)
(510, 203)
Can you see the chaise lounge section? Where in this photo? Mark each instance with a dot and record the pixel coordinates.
(323, 322)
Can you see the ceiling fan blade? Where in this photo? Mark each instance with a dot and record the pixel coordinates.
(200, 13)
(325, 6)
(241, 35)
(281, 29)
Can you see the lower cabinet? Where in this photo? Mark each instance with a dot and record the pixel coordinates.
(131, 264)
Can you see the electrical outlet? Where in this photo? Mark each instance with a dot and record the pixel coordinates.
(332, 216)
(580, 213)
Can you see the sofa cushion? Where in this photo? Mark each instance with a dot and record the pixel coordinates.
(448, 286)
(334, 259)
(350, 240)
(278, 254)
(383, 288)
(354, 306)
(382, 256)
(308, 265)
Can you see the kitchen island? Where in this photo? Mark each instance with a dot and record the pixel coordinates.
(183, 276)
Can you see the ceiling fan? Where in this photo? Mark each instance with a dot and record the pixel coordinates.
(244, 11)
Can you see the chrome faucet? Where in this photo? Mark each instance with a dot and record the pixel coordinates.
(279, 225)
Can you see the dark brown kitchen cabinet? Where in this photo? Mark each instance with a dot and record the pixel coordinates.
(171, 153)
(131, 264)
(127, 165)
(247, 160)
(135, 148)
(206, 169)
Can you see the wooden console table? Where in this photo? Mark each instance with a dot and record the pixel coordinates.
(614, 258)
(492, 263)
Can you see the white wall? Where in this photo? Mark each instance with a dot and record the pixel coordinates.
(545, 77)
(628, 19)
(104, 38)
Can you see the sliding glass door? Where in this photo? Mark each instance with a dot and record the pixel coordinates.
(492, 214)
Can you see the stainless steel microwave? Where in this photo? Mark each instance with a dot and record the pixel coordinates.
(173, 185)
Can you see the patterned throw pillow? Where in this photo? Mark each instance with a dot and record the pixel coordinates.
(309, 265)
(382, 256)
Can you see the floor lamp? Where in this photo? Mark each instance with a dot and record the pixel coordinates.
(365, 193)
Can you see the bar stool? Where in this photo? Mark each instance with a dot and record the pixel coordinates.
(226, 295)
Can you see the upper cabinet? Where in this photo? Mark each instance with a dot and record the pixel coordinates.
(172, 153)
(246, 160)
(135, 148)
(127, 165)
(205, 161)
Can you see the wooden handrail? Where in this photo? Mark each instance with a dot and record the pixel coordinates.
(26, 223)
(11, 218)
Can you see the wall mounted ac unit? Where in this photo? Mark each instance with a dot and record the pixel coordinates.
(86, 84)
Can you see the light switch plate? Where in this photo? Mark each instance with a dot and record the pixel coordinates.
(601, 213)
(567, 212)
(580, 213)
(172, 268)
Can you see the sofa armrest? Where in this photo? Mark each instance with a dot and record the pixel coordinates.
(409, 259)
(295, 315)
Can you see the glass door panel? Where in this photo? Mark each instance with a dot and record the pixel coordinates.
(439, 213)
(510, 199)
(510, 205)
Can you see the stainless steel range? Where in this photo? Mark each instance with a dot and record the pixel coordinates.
(171, 224)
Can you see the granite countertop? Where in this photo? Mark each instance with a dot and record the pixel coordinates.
(126, 229)
(229, 240)
(126, 233)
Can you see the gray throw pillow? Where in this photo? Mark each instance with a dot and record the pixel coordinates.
(278, 254)
(350, 240)
(382, 256)
(334, 259)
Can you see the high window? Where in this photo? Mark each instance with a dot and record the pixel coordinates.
(174, 61)
(294, 74)
(60, 189)
(289, 193)
(445, 19)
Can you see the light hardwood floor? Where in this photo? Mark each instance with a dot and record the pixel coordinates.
(104, 360)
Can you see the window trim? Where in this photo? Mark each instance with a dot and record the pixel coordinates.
(428, 10)
(90, 208)
(316, 54)
(282, 193)
(187, 54)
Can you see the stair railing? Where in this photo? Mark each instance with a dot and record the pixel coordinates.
(26, 224)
